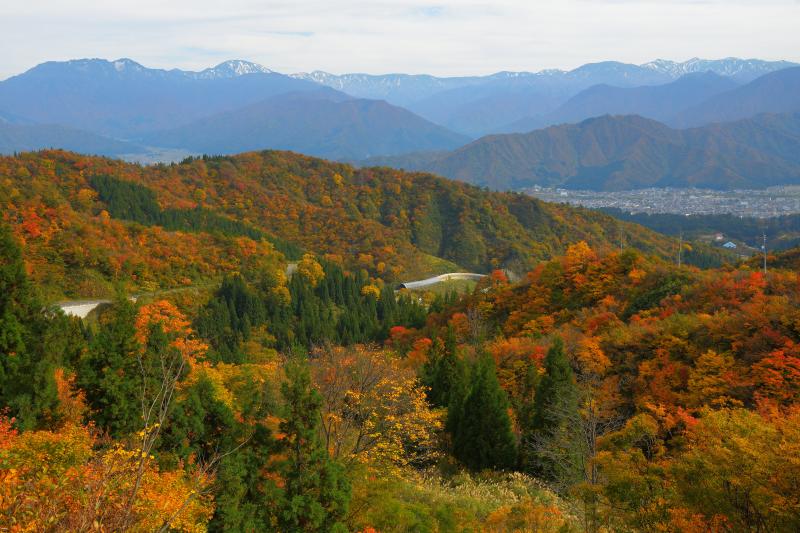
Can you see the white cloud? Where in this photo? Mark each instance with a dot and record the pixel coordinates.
(439, 37)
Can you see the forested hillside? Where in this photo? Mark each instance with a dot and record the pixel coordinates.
(605, 392)
(609, 390)
(87, 222)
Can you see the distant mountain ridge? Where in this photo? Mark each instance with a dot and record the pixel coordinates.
(658, 102)
(385, 87)
(625, 152)
(776, 92)
(227, 69)
(479, 105)
(741, 70)
(122, 98)
(322, 123)
(254, 108)
(396, 87)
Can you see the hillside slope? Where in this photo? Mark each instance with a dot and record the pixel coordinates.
(86, 221)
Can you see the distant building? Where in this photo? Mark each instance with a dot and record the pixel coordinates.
(729, 245)
(719, 237)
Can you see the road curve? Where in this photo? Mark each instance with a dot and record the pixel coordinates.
(80, 308)
(452, 276)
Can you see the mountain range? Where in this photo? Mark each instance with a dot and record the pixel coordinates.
(478, 105)
(405, 89)
(123, 109)
(124, 99)
(777, 92)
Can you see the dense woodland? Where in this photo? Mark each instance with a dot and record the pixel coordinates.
(607, 390)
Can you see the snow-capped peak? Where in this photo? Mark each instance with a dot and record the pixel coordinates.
(232, 69)
(729, 66)
(124, 63)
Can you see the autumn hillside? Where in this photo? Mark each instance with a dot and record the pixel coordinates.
(664, 399)
(86, 222)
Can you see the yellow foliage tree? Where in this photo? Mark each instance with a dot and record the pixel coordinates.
(309, 268)
(374, 409)
(61, 481)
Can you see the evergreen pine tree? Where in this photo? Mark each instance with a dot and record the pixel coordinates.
(482, 434)
(551, 440)
(317, 493)
(524, 407)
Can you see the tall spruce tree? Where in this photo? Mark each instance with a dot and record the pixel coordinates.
(109, 373)
(317, 493)
(482, 433)
(551, 441)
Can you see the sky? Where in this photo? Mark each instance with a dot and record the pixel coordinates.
(464, 37)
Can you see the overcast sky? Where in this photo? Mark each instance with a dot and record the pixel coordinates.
(379, 36)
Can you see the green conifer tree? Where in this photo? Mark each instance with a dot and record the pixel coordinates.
(482, 434)
(551, 442)
(317, 493)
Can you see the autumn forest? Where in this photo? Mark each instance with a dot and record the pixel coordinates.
(255, 364)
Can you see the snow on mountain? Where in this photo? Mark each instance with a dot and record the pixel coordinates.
(732, 67)
(741, 69)
(126, 67)
(126, 64)
(399, 89)
(231, 69)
